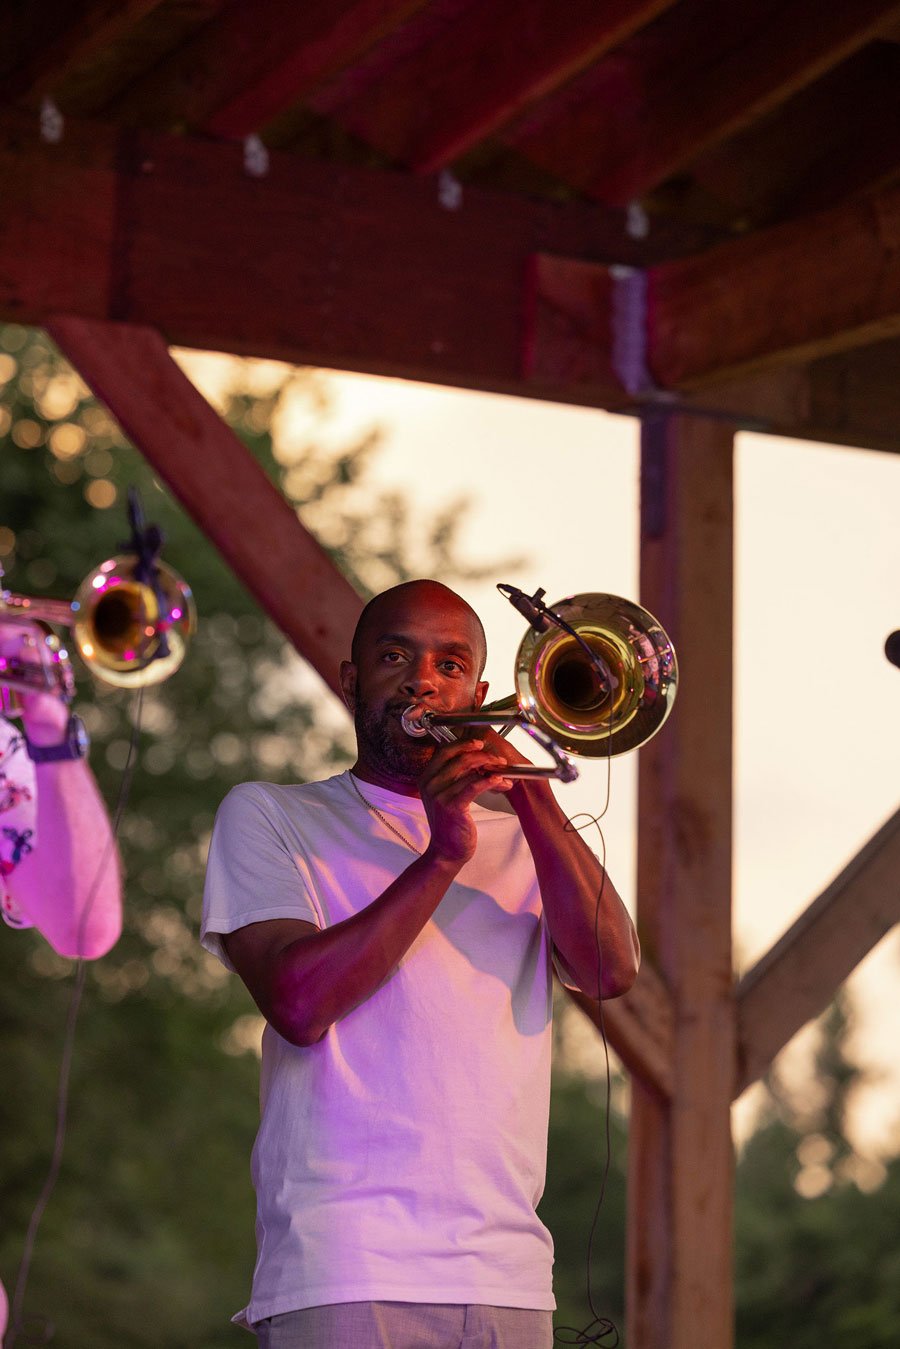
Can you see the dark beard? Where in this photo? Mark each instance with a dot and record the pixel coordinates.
(382, 741)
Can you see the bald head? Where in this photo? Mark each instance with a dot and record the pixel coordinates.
(421, 599)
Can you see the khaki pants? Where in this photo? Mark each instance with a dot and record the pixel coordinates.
(407, 1325)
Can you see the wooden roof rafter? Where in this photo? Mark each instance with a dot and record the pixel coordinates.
(700, 74)
(231, 80)
(171, 231)
(824, 145)
(481, 76)
(81, 34)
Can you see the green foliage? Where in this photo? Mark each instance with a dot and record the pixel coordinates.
(814, 1270)
(148, 1240)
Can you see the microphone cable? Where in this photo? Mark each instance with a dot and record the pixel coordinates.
(601, 1331)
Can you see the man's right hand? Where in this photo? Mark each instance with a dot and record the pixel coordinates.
(456, 775)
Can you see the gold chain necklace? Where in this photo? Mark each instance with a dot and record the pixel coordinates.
(383, 818)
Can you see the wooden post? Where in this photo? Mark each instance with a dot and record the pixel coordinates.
(679, 1290)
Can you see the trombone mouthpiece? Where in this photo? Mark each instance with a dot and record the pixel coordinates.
(411, 721)
(420, 721)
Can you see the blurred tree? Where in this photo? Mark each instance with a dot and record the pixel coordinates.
(816, 1255)
(817, 1259)
(148, 1239)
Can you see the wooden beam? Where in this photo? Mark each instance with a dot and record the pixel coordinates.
(233, 75)
(852, 398)
(639, 1028)
(313, 263)
(481, 71)
(56, 49)
(171, 233)
(802, 290)
(824, 146)
(680, 1152)
(219, 483)
(568, 337)
(702, 73)
(823, 284)
(800, 975)
(849, 399)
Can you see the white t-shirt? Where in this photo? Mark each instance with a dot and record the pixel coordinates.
(402, 1156)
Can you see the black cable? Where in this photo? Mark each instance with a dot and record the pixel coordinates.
(45, 1329)
(601, 1328)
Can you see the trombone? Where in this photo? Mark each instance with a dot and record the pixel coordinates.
(595, 676)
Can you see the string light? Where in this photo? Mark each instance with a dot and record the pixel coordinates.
(52, 122)
(256, 157)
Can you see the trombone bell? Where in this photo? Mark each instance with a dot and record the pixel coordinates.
(600, 683)
(606, 702)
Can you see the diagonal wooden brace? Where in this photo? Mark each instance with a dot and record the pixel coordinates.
(798, 977)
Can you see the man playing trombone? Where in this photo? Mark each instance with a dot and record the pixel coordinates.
(396, 926)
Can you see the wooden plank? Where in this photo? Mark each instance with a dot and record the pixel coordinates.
(824, 146)
(219, 483)
(481, 71)
(171, 232)
(852, 398)
(568, 330)
(639, 1028)
(849, 399)
(799, 976)
(700, 74)
(231, 77)
(57, 228)
(826, 283)
(56, 49)
(680, 1153)
(799, 291)
(313, 263)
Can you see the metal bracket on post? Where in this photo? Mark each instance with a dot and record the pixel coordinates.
(629, 329)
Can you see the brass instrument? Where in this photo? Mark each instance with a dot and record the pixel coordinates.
(128, 631)
(595, 676)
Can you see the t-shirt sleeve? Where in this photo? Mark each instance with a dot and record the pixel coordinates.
(252, 874)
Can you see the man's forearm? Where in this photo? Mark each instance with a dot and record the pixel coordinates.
(572, 884)
(321, 977)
